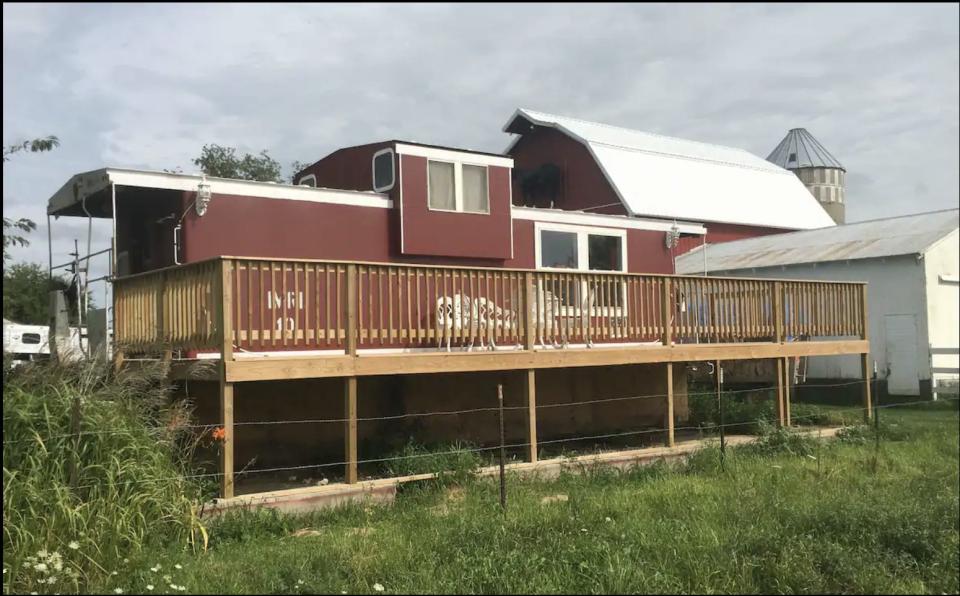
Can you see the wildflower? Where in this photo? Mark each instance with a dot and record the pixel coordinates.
(42, 553)
(73, 545)
(118, 590)
(33, 594)
(4, 570)
(113, 573)
(608, 520)
(150, 587)
(219, 434)
(126, 561)
(182, 588)
(41, 567)
(299, 581)
(52, 579)
(167, 578)
(155, 568)
(583, 529)
(178, 566)
(26, 564)
(378, 587)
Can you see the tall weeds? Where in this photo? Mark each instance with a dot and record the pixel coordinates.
(96, 496)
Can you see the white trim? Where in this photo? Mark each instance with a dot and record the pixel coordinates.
(92, 182)
(595, 219)
(400, 181)
(949, 279)
(510, 206)
(434, 153)
(373, 170)
(313, 177)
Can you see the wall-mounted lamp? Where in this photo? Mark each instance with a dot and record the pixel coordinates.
(673, 235)
(203, 197)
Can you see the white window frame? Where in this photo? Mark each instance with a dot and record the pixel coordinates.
(313, 177)
(583, 234)
(373, 170)
(458, 186)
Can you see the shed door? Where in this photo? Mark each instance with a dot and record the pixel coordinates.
(903, 376)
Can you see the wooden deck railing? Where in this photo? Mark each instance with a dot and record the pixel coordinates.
(300, 305)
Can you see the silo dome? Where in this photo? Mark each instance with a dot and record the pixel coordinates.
(822, 174)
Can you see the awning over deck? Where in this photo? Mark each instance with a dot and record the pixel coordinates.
(89, 193)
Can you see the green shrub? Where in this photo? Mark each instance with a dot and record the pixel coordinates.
(84, 502)
(775, 440)
(455, 463)
(742, 411)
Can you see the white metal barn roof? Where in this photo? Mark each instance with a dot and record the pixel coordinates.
(910, 234)
(661, 176)
(799, 149)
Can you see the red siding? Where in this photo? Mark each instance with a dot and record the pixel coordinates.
(350, 168)
(584, 184)
(647, 252)
(721, 232)
(463, 235)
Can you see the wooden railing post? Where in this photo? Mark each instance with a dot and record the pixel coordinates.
(666, 312)
(226, 309)
(529, 318)
(119, 326)
(778, 311)
(161, 318)
(351, 311)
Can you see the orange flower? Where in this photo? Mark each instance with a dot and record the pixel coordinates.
(219, 434)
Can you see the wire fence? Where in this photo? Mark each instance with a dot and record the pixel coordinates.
(444, 412)
(242, 473)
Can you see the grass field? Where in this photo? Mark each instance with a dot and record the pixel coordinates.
(785, 516)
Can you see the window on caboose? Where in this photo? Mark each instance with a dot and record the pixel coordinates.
(383, 176)
(454, 186)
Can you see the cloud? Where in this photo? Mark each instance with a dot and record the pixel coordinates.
(148, 85)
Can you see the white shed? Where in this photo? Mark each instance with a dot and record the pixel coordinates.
(912, 266)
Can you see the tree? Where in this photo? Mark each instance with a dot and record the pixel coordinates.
(26, 289)
(223, 162)
(295, 167)
(13, 228)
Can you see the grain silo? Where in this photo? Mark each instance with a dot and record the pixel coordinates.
(820, 171)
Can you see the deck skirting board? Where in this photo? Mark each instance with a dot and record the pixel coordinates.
(280, 368)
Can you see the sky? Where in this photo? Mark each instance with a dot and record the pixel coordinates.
(145, 86)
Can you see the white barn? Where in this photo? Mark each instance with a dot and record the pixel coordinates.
(912, 265)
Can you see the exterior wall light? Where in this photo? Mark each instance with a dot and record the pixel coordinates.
(203, 197)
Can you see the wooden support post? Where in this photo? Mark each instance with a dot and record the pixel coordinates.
(350, 429)
(226, 387)
(668, 415)
(781, 409)
(786, 392)
(865, 368)
(529, 318)
(226, 447)
(530, 387)
(867, 395)
(351, 306)
(666, 311)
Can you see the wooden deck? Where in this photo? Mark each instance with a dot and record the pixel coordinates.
(249, 319)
